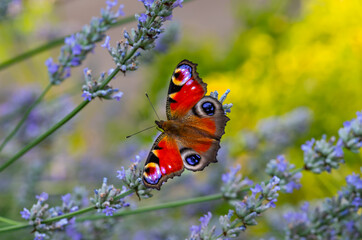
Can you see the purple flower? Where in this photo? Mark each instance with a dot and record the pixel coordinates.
(87, 95)
(257, 189)
(85, 71)
(120, 10)
(271, 203)
(305, 207)
(308, 145)
(195, 229)
(147, 3)
(70, 40)
(25, 214)
(357, 202)
(292, 185)
(109, 211)
(230, 175)
(205, 219)
(118, 96)
(111, 4)
(354, 180)
(67, 72)
(177, 3)
(347, 124)
(71, 230)
(274, 180)
(121, 173)
(349, 226)
(40, 236)
(282, 163)
(42, 197)
(359, 116)
(66, 198)
(61, 223)
(77, 49)
(142, 17)
(52, 68)
(106, 43)
(168, 18)
(75, 62)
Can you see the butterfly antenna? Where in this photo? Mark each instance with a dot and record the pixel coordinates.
(152, 107)
(140, 131)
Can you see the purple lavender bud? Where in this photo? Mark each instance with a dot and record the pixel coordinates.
(359, 116)
(52, 68)
(121, 173)
(205, 219)
(177, 3)
(106, 43)
(66, 198)
(42, 197)
(77, 49)
(75, 62)
(109, 211)
(111, 4)
(67, 72)
(70, 40)
(87, 95)
(308, 145)
(142, 17)
(257, 189)
(120, 11)
(25, 214)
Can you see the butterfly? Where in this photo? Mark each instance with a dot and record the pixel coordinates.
(191, 134)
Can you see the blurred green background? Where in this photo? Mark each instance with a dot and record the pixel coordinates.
(274, 56)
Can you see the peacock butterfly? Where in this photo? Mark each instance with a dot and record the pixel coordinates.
(192, 132)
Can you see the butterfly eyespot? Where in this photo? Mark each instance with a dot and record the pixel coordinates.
(152, 173)
(193, 159)
(208, 108)
(181, 75)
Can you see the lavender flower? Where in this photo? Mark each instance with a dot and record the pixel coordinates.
(78, 45)
(149, 28)
(233, 185)
(289, 179)
(105, 198)
(322, 155)
(93, 88)
(202, 231)
(42, 197)
(328, 220)
(351, 134)
(25, 214)
(227, 106)
(109, 211)
(132, 178)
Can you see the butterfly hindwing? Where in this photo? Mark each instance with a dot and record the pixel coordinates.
(163, 162)
(207, 121)
(186, 89)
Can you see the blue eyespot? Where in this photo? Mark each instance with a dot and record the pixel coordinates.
(193, 159)
(208, 108)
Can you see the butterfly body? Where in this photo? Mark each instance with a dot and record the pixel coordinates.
(191, 135)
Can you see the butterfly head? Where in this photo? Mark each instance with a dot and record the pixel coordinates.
(160, 124)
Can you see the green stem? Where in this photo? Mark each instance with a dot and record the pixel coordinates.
(15, 227)
(43, 136)
(157, 207)
(50, 45)
(25, 116)
(9, 221)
